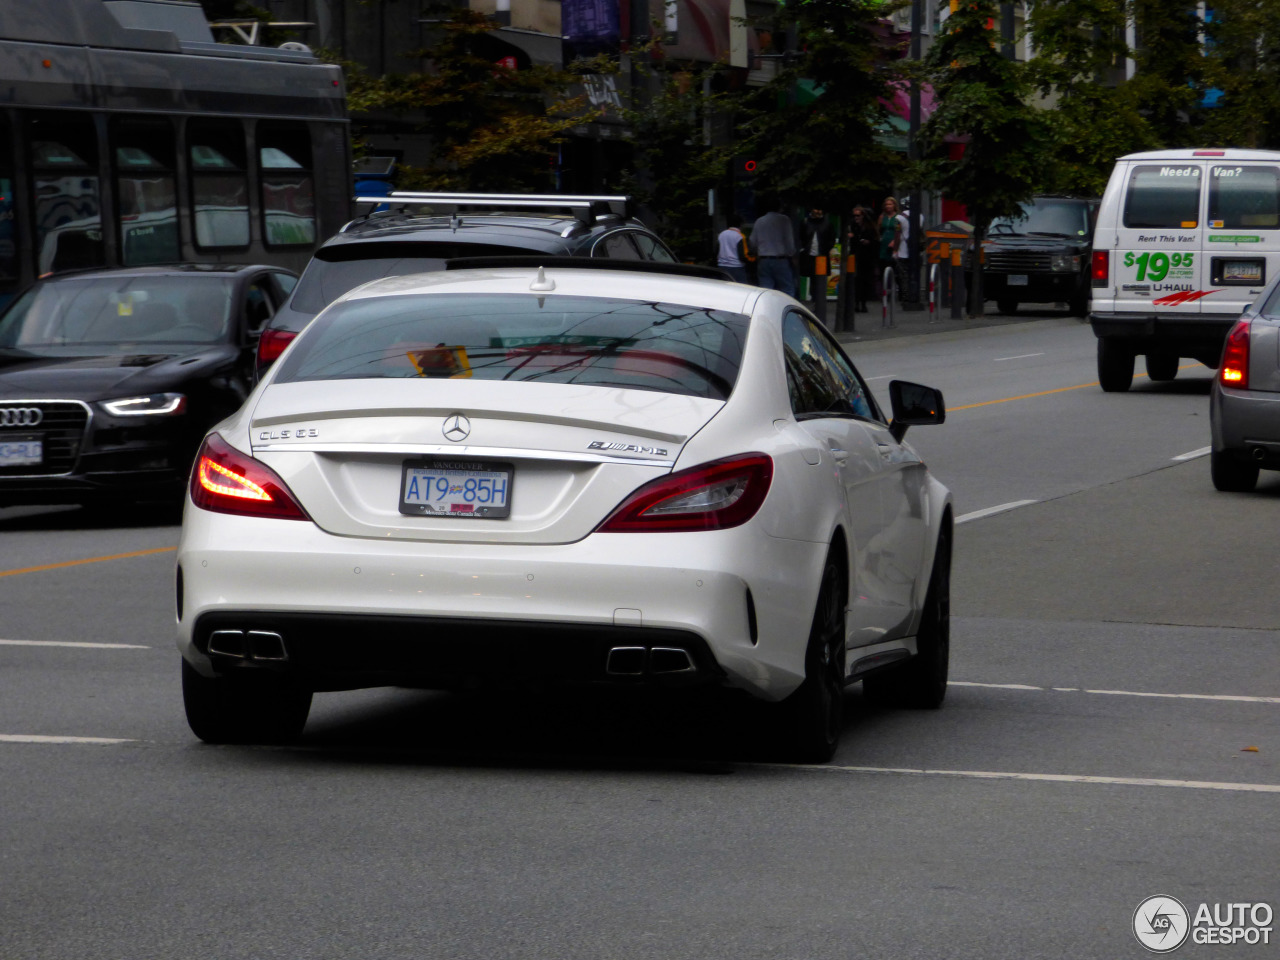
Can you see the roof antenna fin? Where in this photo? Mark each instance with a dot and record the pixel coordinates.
(540, 282)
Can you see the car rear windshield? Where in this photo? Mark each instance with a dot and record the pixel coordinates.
(115, 314)
(1244, 197)
(1163, 195)
(335, 270)
(667, 347)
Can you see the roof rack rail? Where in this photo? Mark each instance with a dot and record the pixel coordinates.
(583, 207)
(588, 263)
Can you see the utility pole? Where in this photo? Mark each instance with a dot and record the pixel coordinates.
(913, 153)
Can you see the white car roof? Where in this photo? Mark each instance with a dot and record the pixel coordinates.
(628, 284)
(1205, 153)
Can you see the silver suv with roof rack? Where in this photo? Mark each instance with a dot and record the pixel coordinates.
(412, 232)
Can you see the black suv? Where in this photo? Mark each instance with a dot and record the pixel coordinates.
(1042, 256)
(418, 232)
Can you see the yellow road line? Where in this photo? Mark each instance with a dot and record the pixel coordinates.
(76, 563)
(1046, 393)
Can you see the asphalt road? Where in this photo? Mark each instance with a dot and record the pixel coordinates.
(1114, 659)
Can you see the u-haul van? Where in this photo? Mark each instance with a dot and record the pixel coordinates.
(1186, 239)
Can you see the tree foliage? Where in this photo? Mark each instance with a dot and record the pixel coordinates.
(813, 127)
(1242, 46)
(491, 128)
(982, 98)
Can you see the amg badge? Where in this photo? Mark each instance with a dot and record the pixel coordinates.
(626, 448)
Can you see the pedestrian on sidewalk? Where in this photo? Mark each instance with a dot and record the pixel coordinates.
(817, 237)
(863, 244)
(773, 239)
(732, 256)
(889, 228)
(902, 272)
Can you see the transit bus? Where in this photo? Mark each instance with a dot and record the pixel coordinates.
(128, 136)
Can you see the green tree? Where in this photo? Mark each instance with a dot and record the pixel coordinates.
(1078, 68)
(1242, 47)
(814, 126)
(491, 128)
(1170, 76)
(981, 97)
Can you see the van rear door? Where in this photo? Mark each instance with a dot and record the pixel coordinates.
(1242, 249)
(1159, 267)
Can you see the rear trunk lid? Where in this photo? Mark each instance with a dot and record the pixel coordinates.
(573, 452)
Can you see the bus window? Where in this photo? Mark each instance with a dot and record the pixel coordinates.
(288, 187)
(8, 237)
(68, 207)
(146, 191)
(1244, 197)
(219, 183)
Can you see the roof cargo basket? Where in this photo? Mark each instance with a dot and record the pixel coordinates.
(583, 207)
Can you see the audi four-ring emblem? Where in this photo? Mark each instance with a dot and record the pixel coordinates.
(20, 416)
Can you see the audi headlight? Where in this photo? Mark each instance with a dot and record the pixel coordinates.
(1064, 263)
(154, 405)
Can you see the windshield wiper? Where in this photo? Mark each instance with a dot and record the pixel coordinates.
(1049, 233)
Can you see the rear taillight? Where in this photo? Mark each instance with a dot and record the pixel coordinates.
(714, 496)
(271, 344)
(227, 481)
(1101, 268)
(1233, 371)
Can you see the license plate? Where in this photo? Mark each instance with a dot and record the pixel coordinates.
(1017, 280)
(456, 488)
(20, 450)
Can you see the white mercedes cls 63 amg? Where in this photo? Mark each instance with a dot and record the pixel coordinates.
(519, 471)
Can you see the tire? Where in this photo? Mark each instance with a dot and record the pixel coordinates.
(1079, 306)
(813, 716)
(1115, 366)
(248, 709)
(1007, 307)
(921, 682)
(1231, 475)
(1162, 367)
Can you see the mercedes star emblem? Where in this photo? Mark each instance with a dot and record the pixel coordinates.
(456, 428)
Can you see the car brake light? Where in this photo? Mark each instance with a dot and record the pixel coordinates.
(1101, 268)
(1234, 369)
(227, 481)
(713, 496)
(271, 344)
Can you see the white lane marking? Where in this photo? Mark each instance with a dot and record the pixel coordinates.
(1202, 452)
(1226, 697)
(990, 511)
(1021, 356)
(71, 643)
(35, 738)
(1054, 778)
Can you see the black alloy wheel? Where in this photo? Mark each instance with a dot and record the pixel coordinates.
(255, 708)
(814, 714)
(1115, 365)
(1162, 367)
(921, 682)
(1231, 475)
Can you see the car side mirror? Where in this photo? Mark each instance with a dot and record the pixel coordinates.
(913, 404)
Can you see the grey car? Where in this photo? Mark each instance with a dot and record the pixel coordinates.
(1244, 402)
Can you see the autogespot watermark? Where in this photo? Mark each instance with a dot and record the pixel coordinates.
(1162, 924)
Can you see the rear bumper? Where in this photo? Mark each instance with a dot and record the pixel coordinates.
(368, 612)
(1198, 335)
(1246, 424)
(347, 651)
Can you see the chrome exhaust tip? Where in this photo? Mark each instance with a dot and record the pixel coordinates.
(266, 645)
(626, 661)
(228, 643)
(671, 660)
(1259, 453)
